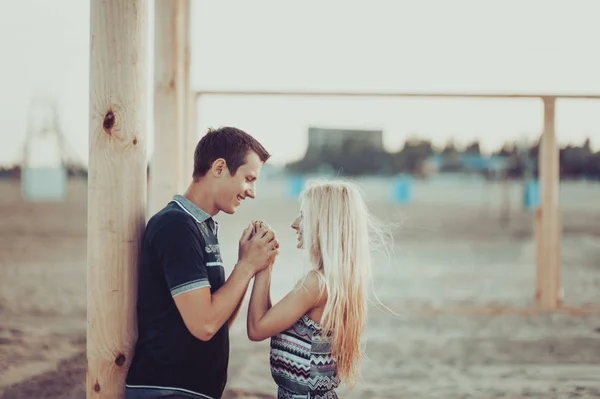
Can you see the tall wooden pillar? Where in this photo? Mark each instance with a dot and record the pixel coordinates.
(190, 135)
(548, 216)
(116, 188)
(169, 102)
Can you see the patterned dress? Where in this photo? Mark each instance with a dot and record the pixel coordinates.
(301, 362)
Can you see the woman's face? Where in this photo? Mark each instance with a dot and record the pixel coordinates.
(297, 225)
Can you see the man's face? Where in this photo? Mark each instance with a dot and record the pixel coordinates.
(232, 190)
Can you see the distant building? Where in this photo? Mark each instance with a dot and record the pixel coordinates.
(334, 139)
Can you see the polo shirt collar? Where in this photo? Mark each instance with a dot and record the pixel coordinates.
(198, 214)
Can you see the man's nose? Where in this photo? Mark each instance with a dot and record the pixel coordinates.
(251, 193)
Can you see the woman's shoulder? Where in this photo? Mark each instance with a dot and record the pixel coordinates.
(314, 283)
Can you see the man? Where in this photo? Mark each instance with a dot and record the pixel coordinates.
(185, 307)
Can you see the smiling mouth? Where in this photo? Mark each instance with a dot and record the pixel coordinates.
(240, 198)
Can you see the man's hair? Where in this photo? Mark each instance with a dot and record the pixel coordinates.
(229, 143)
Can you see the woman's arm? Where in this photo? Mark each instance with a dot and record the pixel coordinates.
(264, 321)
(260, 298)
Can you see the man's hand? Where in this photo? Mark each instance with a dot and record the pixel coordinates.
(258, 247)
(258, 224)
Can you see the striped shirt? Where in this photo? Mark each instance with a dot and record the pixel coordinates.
(301, 362)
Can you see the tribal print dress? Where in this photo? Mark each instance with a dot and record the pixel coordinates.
(301, 362)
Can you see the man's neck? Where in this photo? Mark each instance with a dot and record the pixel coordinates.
(200, 193)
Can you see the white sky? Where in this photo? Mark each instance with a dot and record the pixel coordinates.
(505, 46)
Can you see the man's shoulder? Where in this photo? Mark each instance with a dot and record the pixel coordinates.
(171, 218)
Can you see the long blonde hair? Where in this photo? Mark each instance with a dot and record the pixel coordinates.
(339, 234)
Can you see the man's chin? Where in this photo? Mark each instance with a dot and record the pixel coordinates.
(231, 210)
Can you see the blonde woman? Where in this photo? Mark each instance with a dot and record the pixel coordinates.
(316, 329)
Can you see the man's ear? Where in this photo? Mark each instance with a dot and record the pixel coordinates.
(218, 167)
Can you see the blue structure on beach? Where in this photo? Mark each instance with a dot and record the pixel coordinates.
(471, 162)
(44, 184)
(296, 186)
(532, 194)
(402, 190)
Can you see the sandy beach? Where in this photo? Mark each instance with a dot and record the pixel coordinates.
(451, 250)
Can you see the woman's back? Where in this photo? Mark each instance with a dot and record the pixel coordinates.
(301, 362)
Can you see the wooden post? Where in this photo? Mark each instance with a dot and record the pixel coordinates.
(169, 103)
(190, 135)
(116, 188)
(548, 223)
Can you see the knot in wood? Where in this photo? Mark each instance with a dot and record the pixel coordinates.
(120, 360)
(109, 121)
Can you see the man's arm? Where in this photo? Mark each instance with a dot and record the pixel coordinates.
(181, 254)
(204, 314)
(236, 311)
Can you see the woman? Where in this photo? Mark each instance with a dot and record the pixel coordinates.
(316, 328)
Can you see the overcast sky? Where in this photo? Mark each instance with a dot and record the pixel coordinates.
(506, 46)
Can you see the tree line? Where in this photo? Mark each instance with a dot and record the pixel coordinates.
(355, 158)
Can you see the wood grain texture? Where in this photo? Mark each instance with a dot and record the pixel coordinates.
(116, 188)
(190, 133)
(169, 102)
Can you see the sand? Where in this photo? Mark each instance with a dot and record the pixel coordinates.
(449, 251)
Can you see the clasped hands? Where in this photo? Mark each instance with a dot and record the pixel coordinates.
(258, 247)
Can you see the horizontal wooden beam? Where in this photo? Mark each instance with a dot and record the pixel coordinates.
(309, 93)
